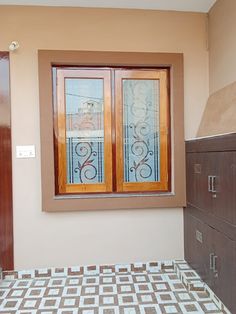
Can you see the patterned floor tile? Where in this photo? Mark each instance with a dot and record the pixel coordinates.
(153, 288)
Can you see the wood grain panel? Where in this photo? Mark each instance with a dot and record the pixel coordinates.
(198, 255)
(221, 143)
(6, 211)
(214, 212)
(223, 248)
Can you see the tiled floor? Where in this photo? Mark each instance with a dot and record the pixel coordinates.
(168, 287)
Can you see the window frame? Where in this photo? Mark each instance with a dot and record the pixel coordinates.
(52, 202)
(60, 139)
(113, 106)
(165, 166)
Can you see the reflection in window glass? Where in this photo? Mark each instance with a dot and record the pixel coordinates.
(84, 130)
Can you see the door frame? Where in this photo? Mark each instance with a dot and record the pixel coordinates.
(6, 202)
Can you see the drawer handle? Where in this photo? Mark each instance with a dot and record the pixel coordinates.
(214, 184)
(214, 264)
(210, 183)
(211, 261)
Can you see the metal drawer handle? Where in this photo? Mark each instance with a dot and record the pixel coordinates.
(211, 261)
(214, 184)
(210, 183)
(214, 264)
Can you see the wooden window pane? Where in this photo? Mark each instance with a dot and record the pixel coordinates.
(84, 129)
(142, 130)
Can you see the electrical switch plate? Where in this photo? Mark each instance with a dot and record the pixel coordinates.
(26, 151)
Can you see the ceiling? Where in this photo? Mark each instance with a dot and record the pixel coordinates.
(173, 5)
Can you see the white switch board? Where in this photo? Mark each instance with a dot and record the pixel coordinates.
(26, 151)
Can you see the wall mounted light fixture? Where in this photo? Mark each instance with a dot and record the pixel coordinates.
(14, 45)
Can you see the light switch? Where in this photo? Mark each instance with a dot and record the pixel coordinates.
(26, 151)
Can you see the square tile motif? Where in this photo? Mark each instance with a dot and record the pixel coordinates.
(167, 287)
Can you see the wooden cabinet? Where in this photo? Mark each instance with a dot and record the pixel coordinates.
(210, 215)
(213, 256)
(211, 183)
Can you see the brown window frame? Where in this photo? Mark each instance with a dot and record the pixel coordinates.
(113, 158)
(165, 166)
(53, 202)
(60, 138)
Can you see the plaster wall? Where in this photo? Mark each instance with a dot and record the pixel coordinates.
(62, 239)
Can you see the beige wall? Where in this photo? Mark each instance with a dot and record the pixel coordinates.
(56, 239)
(219, 114)
(222, 43)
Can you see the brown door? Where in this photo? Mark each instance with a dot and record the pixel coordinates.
(204, 195)
(224, 198)
(199, 167)
(6, 215)
(223, 269)
(197, 245)
(192, 172)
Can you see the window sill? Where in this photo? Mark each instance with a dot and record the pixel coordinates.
(113, 195)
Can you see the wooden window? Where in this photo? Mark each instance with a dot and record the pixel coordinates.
(49, 62)
(142, 123)
(84, 131)
(112, 130)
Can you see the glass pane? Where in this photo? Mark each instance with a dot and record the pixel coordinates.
(84, 130)
(141, 130)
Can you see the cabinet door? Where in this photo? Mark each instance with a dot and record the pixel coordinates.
(191, 178)
(204, 167)
(199, 166)
(197, 245)
(224, 200)
(222, 166)
(213, 256)
(224, 269)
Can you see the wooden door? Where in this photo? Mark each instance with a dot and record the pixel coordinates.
(197, 249)
(209, 256)
(191, 178)
(224, 199)
(199, 167)
(6, 214)
(204, 196)
(223, 268)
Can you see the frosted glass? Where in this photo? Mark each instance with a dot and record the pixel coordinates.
(84, 130)
(141, 130)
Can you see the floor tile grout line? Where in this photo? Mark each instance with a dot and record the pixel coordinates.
(164, 267)
(190, 286)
